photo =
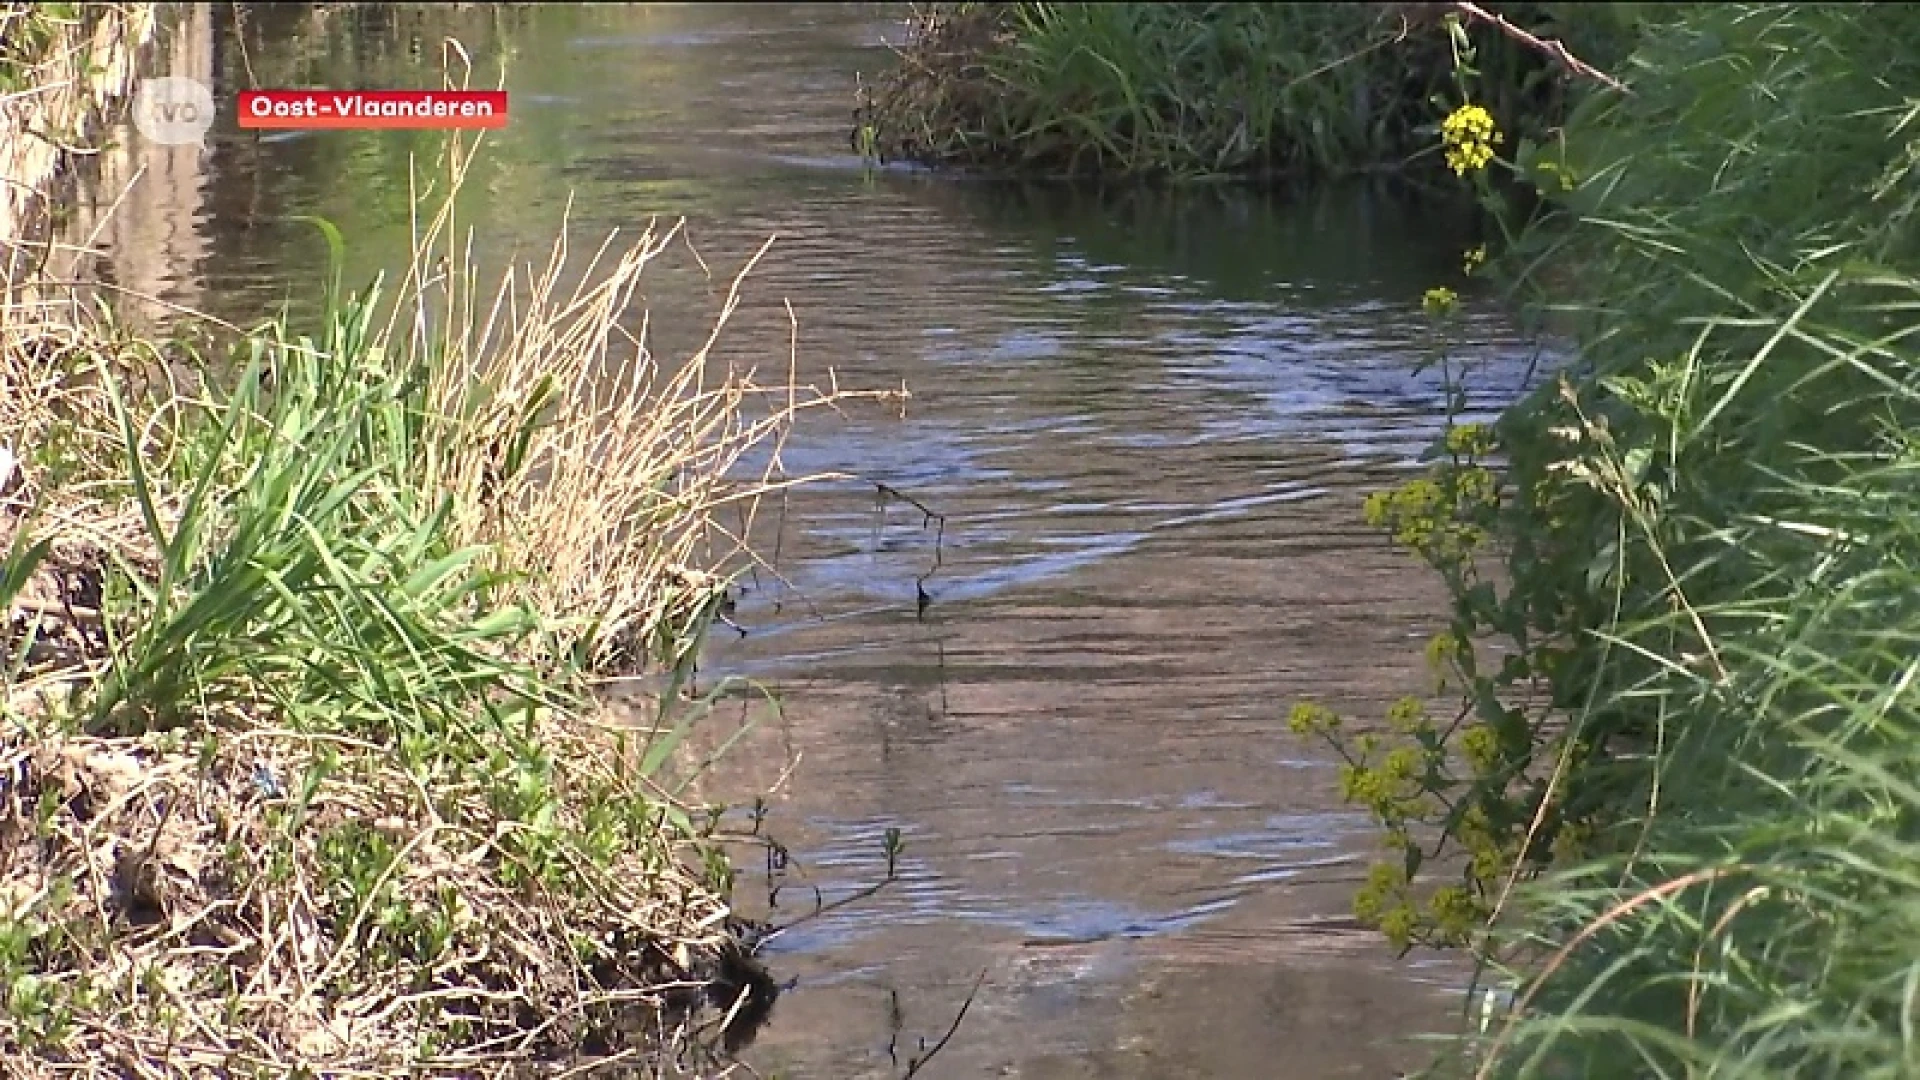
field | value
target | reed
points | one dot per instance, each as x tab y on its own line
1682	769
1742	427
566	443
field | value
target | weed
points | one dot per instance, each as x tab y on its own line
299	771
1681	770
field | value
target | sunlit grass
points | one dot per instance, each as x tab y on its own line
1754	915
1720	510
1154	89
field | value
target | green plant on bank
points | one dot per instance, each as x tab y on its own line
324	785
1464	784
298	769
1155	89
1682	771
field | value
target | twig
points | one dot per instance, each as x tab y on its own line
922	600
821	907
914	1066
1556	49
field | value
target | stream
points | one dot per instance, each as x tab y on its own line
1147	420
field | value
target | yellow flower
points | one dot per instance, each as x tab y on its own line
1480	745
1440	301
1474	258
1469	135
1469	440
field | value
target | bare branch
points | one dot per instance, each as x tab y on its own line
1554	48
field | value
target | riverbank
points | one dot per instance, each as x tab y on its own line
1722	501
1677	799
1271	93
300	764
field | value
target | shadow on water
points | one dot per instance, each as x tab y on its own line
1145	422
1343	243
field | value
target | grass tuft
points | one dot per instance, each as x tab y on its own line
1682	774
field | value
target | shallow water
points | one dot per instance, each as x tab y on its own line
1148	421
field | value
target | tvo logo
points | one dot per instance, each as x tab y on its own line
173	111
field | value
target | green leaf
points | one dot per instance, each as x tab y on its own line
21	562
336	256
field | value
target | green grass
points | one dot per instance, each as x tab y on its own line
1753	354
1685	774
1175	90
1762	923
298	565
307	774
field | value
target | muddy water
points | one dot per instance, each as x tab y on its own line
1148	422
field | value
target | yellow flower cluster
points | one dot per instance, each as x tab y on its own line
1469	135
1440	301
1474	258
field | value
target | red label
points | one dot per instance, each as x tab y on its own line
373	109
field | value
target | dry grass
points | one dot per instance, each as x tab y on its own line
933	108
310	789
617	493
180	909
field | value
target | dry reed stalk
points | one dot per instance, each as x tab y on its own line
620	482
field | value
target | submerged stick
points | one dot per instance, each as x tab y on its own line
916	1064
922	599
